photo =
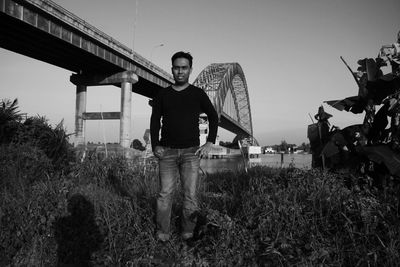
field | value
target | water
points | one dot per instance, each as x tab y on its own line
302	161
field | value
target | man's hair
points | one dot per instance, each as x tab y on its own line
182	54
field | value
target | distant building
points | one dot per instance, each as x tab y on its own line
269	150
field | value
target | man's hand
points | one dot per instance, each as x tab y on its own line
158	151
204	149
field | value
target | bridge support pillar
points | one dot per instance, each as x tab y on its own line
125	119
125	80
80	108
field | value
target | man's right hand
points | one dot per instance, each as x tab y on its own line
158	151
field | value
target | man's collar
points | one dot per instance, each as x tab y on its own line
180	88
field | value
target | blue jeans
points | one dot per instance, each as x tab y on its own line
185	164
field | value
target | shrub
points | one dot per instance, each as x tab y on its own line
35	131
136	144
9	119
21	165
54	142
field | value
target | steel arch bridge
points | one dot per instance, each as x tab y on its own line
225	84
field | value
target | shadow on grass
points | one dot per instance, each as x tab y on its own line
77	235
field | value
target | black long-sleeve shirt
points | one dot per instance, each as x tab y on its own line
180	112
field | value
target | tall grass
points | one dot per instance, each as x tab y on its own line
265	217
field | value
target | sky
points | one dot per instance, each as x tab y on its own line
289	51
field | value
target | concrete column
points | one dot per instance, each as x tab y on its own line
125	122
80	108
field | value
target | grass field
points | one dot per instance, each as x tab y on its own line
101	213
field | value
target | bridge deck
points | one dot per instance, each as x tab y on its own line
47	32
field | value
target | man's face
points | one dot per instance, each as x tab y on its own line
181	70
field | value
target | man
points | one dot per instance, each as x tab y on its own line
178	151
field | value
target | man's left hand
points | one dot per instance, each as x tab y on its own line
204	149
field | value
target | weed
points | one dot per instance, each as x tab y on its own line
265	217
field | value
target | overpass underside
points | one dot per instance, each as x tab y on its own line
75	46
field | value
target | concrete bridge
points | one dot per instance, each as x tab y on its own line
45	31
